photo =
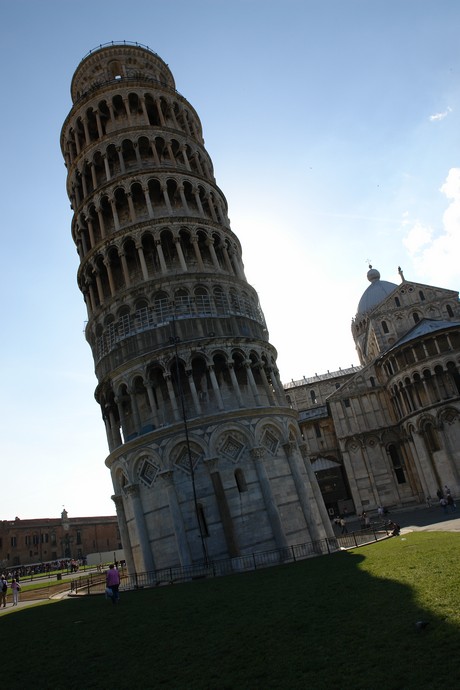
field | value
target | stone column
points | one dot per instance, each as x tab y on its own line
251	380
99	124
132	210
314	504
180	531
180	253
153	406
172	396
100	289
140	252
193	391
161	256
110	276
428	472
164	189
89	223
135	410
215	386
199	205
183	150
268	388
86	131
212	251
199	258
257	454
121	159
235	384
183	199
100	216
93	175
124	266
228	263
160	112
224	509
113	206
124	533
148	202
106	167
142	533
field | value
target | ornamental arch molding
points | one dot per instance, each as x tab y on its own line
232	441
175	452
448	415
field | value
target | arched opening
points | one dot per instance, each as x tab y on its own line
240	480
398	463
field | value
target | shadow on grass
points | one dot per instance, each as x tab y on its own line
344	621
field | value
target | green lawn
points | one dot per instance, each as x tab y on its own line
345	621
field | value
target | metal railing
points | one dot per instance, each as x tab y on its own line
95	584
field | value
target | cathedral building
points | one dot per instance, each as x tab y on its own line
387	433
206	455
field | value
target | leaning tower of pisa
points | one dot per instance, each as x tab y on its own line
204	452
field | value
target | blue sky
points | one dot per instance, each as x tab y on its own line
334	129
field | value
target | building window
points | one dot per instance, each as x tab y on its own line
14	541
398	465
346	402
240	480
313	397
416	317
27	540
449	310
431	437
384	327
36	539
317	430
421	295
397	302
78	536
202	520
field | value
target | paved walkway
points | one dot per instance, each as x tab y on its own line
417	519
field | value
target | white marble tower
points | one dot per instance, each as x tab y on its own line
205	453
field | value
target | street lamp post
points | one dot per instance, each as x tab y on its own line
174	340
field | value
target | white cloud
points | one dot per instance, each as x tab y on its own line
440	116
435	255
417	237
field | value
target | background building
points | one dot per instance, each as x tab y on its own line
24	542
388	433
206	455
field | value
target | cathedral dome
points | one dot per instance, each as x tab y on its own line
377	291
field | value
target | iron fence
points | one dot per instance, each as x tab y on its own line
95	583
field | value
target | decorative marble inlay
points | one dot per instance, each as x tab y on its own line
232	448
148	472
270	442
186	461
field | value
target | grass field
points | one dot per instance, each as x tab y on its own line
345	621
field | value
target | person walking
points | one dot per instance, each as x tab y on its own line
3	590
451	503
112	581
15	588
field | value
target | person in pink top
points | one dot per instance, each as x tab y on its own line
112	580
